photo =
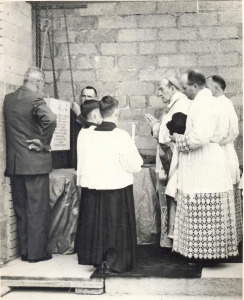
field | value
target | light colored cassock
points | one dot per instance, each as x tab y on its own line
205	224
179	103
228	122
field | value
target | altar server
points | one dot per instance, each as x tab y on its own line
107	233
205	223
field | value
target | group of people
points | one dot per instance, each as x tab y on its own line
196	164
201	211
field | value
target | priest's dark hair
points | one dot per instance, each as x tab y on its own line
220	80
107	106
194	76
88	106
89	88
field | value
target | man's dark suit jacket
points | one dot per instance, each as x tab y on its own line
27	117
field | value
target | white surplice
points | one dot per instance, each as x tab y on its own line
228	122
205	224
178	103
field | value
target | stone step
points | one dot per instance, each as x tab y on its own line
164	286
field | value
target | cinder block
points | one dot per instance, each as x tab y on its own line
234	87
117	22
131	35
107	88
137	101
137	62
135	8
237	100
96	36
231	73
134	115
230	17
231	46
49	76
198	19
119	48
117	75
198	46
122	101
219	5
78	49
103	62
156	75
156	21
218	32
76	23
219	59
60	63
176	6
135	88
83	75
157	47
178	34
155	102
96	9
83	62
177	61
60	37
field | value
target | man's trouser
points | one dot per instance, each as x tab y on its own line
32	207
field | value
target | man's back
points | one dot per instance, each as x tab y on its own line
27	117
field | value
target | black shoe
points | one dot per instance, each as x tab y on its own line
24	258
46	257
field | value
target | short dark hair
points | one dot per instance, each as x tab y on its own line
220	80
89	88
88	106
195	77
107	106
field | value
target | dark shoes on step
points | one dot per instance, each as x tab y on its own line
46	257
104	269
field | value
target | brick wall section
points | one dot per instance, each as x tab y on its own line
15	58
125	48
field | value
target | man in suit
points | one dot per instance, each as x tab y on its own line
29	127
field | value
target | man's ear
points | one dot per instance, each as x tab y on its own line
195	86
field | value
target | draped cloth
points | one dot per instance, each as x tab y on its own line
205	222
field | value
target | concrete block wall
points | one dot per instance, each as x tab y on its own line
125	48
15	58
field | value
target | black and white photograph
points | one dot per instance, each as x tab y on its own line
121	144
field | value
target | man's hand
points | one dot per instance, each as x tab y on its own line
151	121
75	107
35	145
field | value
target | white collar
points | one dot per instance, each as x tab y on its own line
177	95
204	93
